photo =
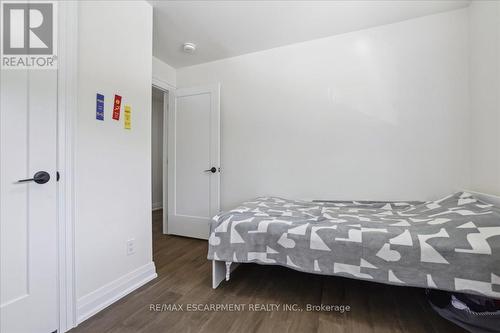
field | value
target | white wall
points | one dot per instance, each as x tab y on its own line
485	95
157	148
113	196
164	72
375	114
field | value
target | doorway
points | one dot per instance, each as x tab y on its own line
190	153
159	128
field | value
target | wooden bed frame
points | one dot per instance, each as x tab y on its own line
221	270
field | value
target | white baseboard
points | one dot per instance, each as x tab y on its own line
157	205
92	303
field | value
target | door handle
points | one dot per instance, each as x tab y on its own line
212	170
41	177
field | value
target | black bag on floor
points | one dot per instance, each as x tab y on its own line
476	314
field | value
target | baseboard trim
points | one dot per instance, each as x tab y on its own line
92	303
157	205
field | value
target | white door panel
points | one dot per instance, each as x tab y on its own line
194	145
28	235
193	129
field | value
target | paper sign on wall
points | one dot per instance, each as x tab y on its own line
99	107
128	117
116	107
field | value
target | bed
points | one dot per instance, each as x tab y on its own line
450	244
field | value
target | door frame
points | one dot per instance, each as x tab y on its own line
67	93
165	87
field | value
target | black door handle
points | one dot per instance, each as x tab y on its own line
212	170
41	177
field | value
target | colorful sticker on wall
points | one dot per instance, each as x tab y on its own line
116	107
99	107
128	117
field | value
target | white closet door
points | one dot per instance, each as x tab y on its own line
28	210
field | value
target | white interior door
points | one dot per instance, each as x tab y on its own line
28	210
194	161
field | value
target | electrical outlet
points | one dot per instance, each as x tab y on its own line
130	246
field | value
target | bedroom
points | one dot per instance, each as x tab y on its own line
252	124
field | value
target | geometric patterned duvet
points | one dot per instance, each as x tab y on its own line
450	244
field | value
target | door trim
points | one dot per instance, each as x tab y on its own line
67	92
165	87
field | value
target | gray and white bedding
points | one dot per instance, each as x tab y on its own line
450	244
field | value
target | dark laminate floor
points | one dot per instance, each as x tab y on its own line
184	276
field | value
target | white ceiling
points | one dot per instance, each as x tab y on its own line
223	29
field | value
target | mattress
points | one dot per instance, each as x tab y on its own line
450	244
